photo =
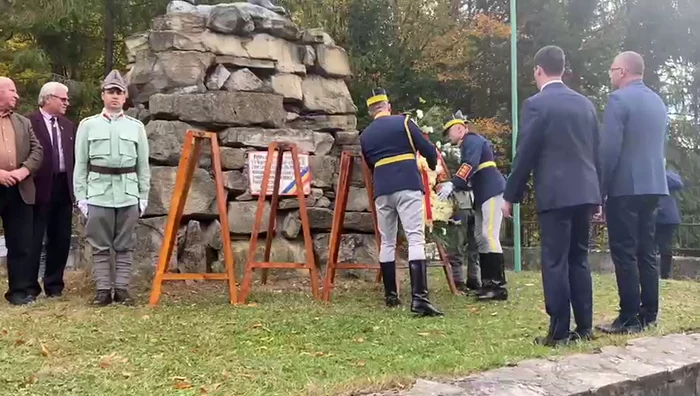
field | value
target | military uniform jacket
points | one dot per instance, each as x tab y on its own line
116	141
389	145
478	166
668	207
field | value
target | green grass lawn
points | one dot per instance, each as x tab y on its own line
282	343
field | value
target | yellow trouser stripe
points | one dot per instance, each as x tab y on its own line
493	246
486	164
395	158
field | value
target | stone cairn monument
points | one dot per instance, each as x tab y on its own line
254	77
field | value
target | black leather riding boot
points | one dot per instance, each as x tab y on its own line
486	274
391	296
497	278
419	289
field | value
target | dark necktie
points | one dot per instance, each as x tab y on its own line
54	145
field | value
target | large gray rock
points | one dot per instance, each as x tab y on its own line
308	141
327	123
136	47
235	181
181	22
326	96
359	221
354	248
290	224
149	234
242	19
186	7
332	61
166	139
287	56
347	138
201	199
237	61
316	36
232	158
323	170
220	107
282	251
287	85
211	234
218	78
241	217
357	200
169	71
244	80
194	255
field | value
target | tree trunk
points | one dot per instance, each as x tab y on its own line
109	36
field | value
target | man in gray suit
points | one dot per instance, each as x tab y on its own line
634	131
20	157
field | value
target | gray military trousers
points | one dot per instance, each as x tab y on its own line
406	205
110	229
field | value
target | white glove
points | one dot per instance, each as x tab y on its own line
445	190
83	207
143	203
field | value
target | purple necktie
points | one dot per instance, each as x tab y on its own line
54	145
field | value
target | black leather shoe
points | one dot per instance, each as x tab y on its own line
618	327
18	301
121	296
581	335
462	287
473	284
494	294
391	296
419	289
102	298
551	342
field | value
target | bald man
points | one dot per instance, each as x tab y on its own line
634	178
20	157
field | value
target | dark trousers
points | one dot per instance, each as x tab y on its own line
664	247
631	224
566	276
17	224
53	220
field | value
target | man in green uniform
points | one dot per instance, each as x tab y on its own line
111	182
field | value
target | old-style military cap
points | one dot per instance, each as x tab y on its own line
378	95
454	119
114	80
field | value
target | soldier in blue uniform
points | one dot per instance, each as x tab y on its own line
389	145
478	167
668	218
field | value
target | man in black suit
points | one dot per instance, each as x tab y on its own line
559	143
54	187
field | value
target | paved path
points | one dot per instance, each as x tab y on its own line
652	366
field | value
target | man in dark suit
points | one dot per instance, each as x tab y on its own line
559	143
668	218
20	157
634	132
54	187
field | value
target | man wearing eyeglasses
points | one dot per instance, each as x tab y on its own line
54	188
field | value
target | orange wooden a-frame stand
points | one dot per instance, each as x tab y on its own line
346	167
185	171
347	160
251	264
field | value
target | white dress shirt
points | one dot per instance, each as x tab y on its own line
59	130
551	82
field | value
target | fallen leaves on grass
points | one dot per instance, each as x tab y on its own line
44	350
108	360
206	389
181	383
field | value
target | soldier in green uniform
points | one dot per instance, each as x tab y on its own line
111	182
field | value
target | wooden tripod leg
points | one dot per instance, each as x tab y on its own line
273	210
188	162
306	228
223	219
341	201
446	266
248	274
